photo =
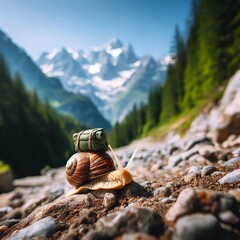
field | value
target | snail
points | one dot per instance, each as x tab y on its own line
103	175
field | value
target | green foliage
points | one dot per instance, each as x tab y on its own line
209	55
32	134
4	167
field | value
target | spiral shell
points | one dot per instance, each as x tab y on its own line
84	166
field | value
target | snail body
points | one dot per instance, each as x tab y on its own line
113	180
104	175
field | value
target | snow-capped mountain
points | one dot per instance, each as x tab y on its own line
112	75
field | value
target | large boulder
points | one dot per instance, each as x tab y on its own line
225	120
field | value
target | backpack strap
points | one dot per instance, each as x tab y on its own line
90	140
77	146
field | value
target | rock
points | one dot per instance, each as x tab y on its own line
174	160
231	162
3	229
235	193
5	210
195	170
133	190
137	236
130	219
188	154
231	177
162	192
215	202
186	203
189	177
202	139
109	201
228	217
10	222
42	228
236	152
216	173
193	200
207	170
67	206
228	114
6	181
171	148
209	152
168	199
197	227
14	214
231	141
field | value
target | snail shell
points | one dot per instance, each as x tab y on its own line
115	179
84	166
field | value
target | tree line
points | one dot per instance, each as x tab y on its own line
203	59
32	134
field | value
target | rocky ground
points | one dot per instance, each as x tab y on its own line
184	189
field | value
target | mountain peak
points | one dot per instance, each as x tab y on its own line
115	43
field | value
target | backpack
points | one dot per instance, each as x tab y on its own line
90	140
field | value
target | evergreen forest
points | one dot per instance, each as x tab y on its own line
205	57
32	134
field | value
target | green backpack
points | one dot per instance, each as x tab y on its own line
90	140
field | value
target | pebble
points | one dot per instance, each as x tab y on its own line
168	199
5	210
42	228
194	142
174	160
185	204
195	170
189	177
162	192
211	153
216	173
10	222
236	152
231	177
228	217
197	227
109	200
207	170
231	162
188	154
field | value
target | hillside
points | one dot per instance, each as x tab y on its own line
78	106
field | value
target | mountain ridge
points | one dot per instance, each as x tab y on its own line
78	106
110	75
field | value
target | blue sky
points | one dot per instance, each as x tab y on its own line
41	25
